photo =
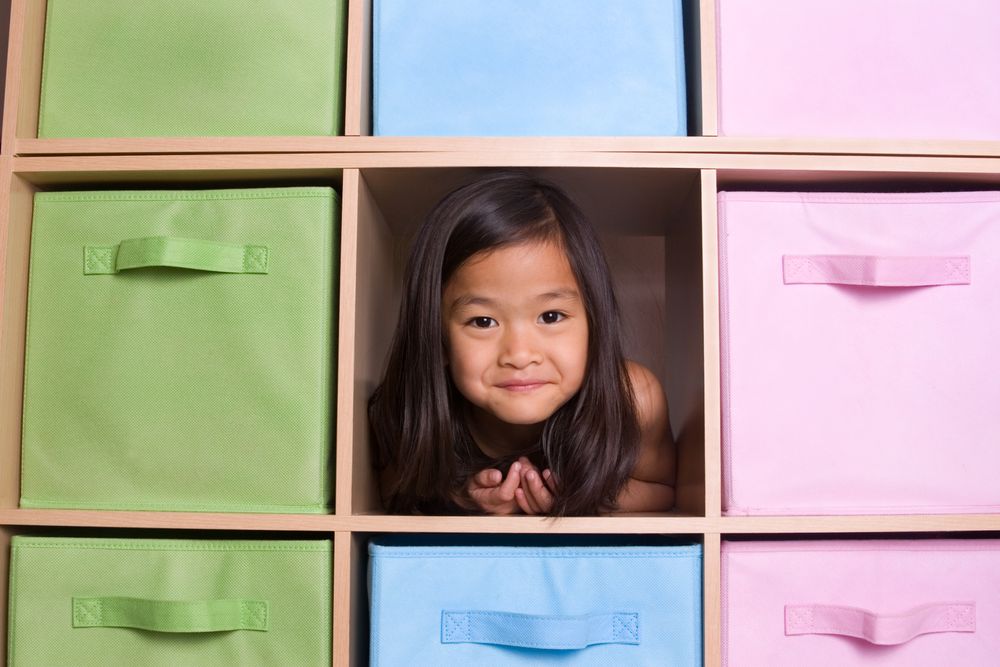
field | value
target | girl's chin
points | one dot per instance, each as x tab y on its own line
524	419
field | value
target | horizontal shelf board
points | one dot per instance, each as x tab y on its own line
340	144
740	166
620	524
171	520
908	523
633	524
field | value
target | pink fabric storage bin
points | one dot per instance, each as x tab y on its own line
859	365
906	603
893	69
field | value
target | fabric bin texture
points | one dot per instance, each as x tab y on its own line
534	604
511	67
899	603
867	69
168	602
180	349
858	332
147	68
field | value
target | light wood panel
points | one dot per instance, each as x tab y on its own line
357	114
17	228
166	520
343	584
712	599
347	309
711	342
707	68
30	146
733	167
673	523
24	71
5	176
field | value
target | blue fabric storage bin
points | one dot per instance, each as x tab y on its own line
528	68
435	602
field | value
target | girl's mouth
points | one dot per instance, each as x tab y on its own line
522	385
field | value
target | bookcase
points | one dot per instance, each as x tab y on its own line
653	201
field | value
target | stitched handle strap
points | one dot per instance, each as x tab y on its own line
882	629
171	251
170	615
539	632
875	270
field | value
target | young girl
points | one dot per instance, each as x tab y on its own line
506	389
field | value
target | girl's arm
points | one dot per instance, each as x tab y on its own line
650	487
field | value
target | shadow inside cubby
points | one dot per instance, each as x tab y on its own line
15	281
649	222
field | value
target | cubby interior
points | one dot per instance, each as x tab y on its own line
649	222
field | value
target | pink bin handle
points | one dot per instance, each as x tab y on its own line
881	629
875	270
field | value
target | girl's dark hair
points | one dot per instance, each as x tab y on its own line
417	414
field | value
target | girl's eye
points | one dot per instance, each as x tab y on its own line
551	317
483	322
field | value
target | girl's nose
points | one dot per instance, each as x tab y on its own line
519	348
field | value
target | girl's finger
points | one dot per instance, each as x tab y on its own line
538	495
488	477
489	501
506	489
522	501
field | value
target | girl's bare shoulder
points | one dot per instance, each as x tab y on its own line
650	400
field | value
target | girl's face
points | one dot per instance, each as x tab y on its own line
516	332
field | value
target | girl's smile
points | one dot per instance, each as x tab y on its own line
516	334
522	385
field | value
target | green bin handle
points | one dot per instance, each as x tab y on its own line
170	615
177	252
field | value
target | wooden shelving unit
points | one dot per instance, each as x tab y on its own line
652	199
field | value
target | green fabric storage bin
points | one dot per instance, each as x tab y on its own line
180	350
76	602
150	68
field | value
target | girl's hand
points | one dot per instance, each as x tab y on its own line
534	495
491	493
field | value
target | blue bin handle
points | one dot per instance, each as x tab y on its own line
558	633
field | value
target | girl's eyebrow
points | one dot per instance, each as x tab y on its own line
566	294
466	300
